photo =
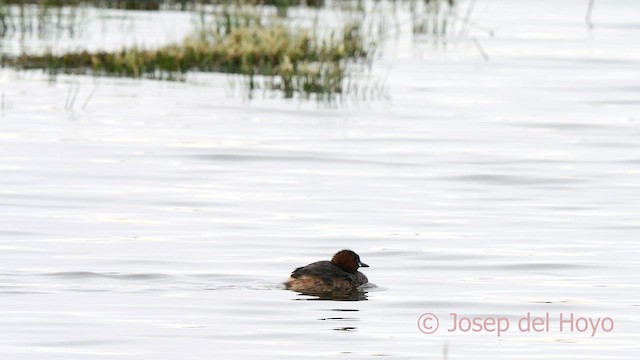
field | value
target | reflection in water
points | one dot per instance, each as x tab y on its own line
342	328
347	328
340	318
355	295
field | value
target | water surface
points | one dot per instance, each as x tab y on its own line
160	219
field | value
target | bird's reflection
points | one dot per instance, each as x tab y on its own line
348	320
338	296
355	295
341	318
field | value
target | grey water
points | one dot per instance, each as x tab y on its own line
158	220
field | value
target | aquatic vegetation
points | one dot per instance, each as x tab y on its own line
183	5
431	17
288	59
252	38
113	4
50	17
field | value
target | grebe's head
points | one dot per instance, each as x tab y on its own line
348	261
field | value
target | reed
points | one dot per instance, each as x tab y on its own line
150	5
291	60
252	38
